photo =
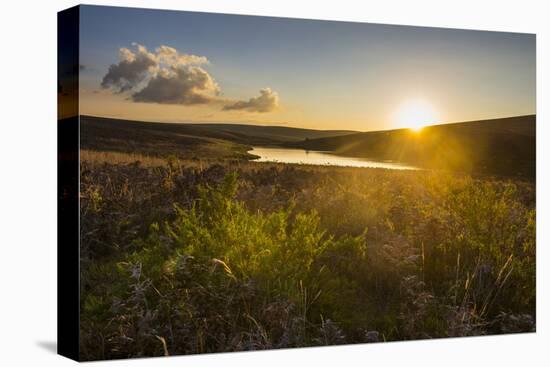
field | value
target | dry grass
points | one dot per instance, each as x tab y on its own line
294	255
95	157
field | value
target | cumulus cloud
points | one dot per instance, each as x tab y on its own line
267	101
131	69
172	57
167	76
186	85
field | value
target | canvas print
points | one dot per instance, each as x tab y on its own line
250	183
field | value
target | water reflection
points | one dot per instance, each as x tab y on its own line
301	156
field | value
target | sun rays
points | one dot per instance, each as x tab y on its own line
415	114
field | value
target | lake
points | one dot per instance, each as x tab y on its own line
300	156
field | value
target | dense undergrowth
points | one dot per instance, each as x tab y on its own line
185	258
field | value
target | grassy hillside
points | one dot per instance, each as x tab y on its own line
187	140
503	146
255	134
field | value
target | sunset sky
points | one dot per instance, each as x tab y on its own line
176	66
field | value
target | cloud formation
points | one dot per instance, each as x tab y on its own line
131	69
168	76
183	85
172	57
267	101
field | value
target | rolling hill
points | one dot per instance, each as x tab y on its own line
504	146
186	139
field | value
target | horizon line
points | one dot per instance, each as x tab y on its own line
286	125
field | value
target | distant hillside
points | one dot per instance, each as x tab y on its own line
187	140
503	146
256	134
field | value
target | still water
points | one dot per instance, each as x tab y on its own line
301	156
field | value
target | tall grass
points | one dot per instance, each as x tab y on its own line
188	257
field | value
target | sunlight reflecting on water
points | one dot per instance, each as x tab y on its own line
300	156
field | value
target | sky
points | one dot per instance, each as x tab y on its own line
173	66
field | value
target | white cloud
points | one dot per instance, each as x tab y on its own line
168	76
131	69
186	85
172	57
267	101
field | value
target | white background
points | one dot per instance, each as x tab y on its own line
28	182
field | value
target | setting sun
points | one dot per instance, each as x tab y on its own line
415	115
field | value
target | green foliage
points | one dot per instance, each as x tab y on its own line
254	258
